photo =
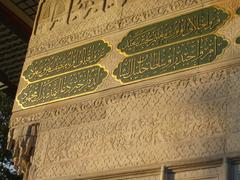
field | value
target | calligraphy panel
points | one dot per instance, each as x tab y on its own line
179	56
62	87
197	23
85	55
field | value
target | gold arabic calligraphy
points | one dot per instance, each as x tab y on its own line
194	24
63	86
69	60
171	58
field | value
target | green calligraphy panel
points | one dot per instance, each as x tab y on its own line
62	87
194	24
69	60
179	56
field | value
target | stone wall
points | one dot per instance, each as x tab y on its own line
89	105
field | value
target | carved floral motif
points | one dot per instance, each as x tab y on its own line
185	118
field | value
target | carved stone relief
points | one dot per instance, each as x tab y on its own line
182	119
188	53
172	118
114	15
51	13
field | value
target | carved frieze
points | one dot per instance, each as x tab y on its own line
180	119
69	31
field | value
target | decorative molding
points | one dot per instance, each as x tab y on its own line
182	119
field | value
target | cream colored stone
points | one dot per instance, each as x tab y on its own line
179	126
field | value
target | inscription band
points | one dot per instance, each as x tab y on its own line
61	87
182	55
83	56
180	28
